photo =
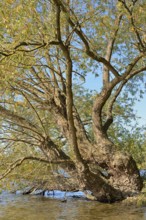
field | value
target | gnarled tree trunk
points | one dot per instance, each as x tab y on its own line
47	85
109	174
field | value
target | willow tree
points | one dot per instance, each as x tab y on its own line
47	46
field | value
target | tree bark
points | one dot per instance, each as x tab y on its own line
121	169
122	177
119	177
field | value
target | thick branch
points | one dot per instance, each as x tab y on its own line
116	94
69	106
48	147
27	44
58	30
109	119
106	92
84	39
132	65
109	51
69	93
137	71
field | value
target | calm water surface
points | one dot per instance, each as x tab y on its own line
17	207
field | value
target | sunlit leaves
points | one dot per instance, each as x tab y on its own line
33	67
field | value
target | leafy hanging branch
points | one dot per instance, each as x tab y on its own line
130	9
21	160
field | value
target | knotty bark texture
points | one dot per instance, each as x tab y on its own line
47	88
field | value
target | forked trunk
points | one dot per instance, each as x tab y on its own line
109	174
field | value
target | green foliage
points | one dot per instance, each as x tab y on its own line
131	139
33	73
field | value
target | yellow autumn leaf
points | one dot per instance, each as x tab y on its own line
18	8
10	1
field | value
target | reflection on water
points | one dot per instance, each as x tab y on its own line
16	207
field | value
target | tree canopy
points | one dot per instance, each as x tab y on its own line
47	50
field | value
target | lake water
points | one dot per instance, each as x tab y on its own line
32	207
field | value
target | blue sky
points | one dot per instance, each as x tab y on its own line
140	107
